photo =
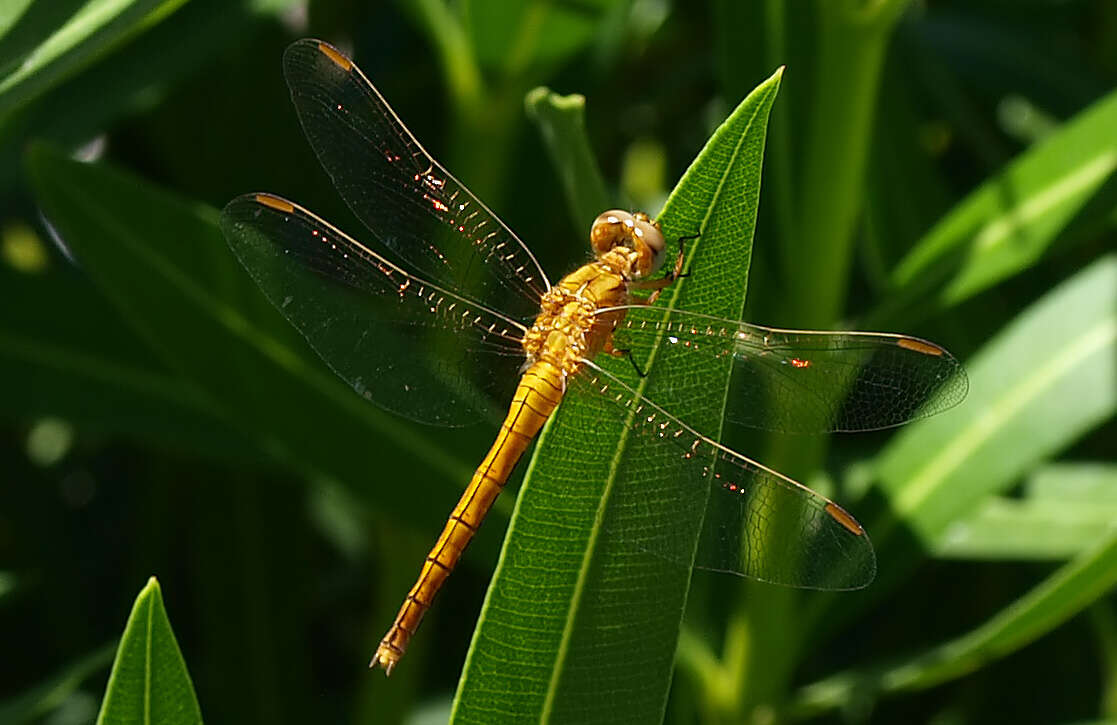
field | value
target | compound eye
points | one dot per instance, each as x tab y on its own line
609	229
647	232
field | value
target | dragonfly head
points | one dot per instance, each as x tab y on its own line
637	232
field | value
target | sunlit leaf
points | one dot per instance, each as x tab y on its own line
572	613
1074	482
1065	509
1035	388
1062	595
56	46
1011	220
1005	529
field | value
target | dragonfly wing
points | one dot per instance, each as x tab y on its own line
797	381
410	346
400	192
754	521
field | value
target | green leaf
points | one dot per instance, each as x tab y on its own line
65	354
1074	482
1062	595
1004	529
1104	621
149	682
577	627
1010	221
167	269
127	81
1046	379
1066	509
56	47
10	13
561	121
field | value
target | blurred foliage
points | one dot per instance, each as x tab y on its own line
941	168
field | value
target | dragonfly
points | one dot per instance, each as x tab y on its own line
452	311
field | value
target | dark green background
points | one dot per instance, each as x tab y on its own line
281	564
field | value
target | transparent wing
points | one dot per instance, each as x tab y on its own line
755	522
408	345
796	381
404	196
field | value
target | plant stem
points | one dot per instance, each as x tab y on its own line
459	66
561	121
781	169
817	221
847	74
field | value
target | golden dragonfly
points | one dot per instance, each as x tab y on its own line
465	313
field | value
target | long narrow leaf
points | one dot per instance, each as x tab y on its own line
63	353
1004	529
1008	222
1062	595
1067	508
1048	378
168	271
1075	482
576	628
97	26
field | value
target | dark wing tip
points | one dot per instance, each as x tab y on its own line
248	206
314	52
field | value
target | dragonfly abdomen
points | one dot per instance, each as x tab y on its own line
537	396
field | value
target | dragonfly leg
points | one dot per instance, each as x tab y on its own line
677	272
626	353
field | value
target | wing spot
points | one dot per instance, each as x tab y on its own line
843	517
910	343
275	202
340	60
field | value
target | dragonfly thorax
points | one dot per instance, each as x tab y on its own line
570	327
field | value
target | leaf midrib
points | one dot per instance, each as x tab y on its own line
147	662
591	547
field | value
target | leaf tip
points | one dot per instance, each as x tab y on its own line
152	587
540	99
536	97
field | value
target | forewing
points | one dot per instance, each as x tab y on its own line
754	521
408	345
400	192
796	381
